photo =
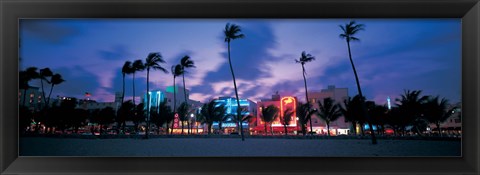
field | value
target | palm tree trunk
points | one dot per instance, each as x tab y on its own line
285	127
265	128
43	92
123	89
182	127
24	95
271	129
174	104
133	98
439	129
328	129
210	128
148	105
374	140
236	92
306	95
186	102
166	127
50	94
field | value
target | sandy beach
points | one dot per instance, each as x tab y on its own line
234	147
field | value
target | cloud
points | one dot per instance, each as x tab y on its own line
119	52
54	32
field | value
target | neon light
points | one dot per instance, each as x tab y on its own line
388	100
287	102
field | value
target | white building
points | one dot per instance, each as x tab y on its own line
338	126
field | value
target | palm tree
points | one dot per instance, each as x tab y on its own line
410	105
166	112
139	115
55	80
126	69
26	76
436	111
304	114
378	114
232	32
349	32
124	112
183	113
186	62
269	114
152	61
211	112
286	118
328	111
137	66
44	73
350	110
305	58
176	71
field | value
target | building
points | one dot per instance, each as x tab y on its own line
282	103
168	96
247	107
337	127
33	100
451	126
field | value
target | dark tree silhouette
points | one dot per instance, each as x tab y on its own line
232	32
124	113
55	80
305	58
137	66
44	73
304	114
328	111
183	113
351	109
186	62
211	112
286	118
436	111
153	62
349	32
25	77
410	105
268	115
126	69
176	71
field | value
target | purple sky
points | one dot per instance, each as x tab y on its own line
393	55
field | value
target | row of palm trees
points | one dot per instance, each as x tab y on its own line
45	74
349	31
411	110
153	62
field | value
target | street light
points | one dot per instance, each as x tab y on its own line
192	116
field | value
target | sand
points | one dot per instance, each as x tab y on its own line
234	147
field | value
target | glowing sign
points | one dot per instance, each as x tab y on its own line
289	103
175	121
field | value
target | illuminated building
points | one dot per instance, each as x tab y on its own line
337	127
33	100
282	103
247	107
159	96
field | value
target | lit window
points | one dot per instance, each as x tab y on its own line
32	95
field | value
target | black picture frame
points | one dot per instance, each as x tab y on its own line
11	11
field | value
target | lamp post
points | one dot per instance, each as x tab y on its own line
193	116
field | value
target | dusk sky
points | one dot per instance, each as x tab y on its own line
393	55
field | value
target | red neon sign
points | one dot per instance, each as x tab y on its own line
286	103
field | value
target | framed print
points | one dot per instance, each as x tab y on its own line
151	87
